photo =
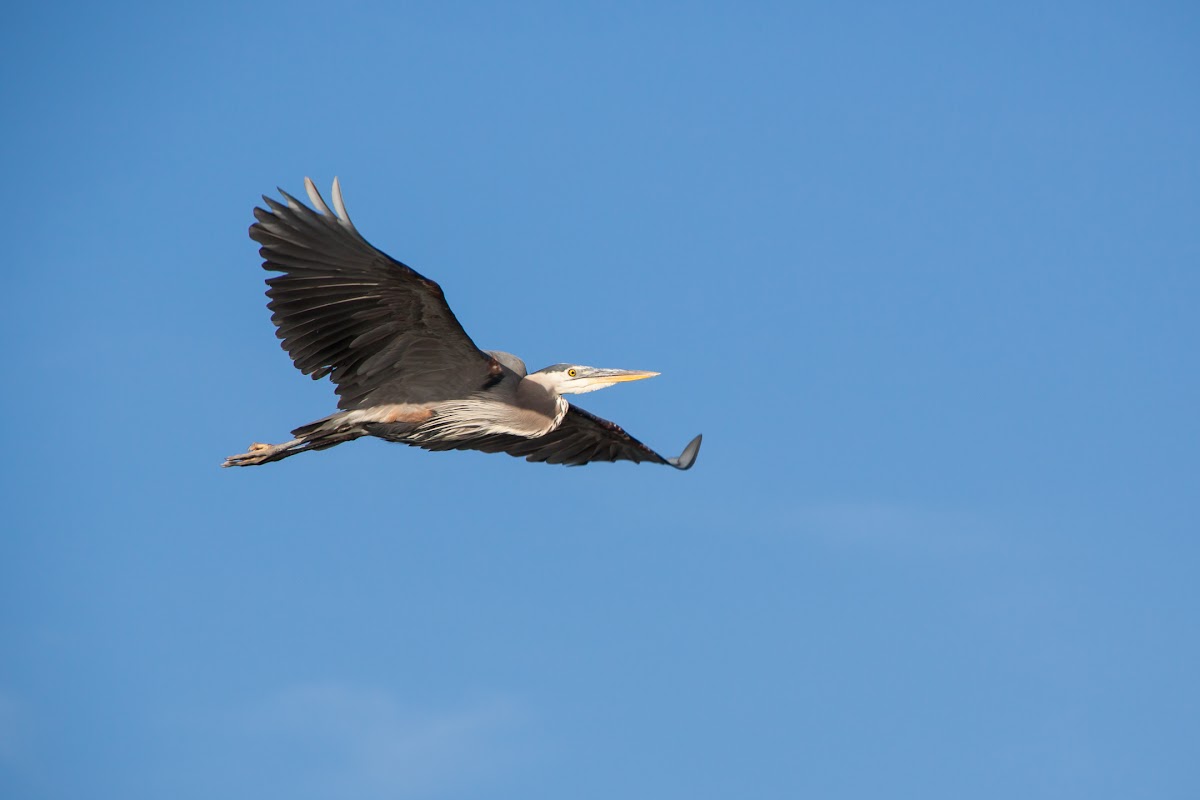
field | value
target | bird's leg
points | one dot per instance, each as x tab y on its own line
259	453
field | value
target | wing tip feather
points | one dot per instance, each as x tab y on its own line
687	458
339	205
315	198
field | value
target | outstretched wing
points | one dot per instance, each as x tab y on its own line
380	330
581	439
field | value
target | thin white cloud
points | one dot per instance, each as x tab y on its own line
879	525
9	728
360	742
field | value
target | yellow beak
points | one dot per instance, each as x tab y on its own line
623	375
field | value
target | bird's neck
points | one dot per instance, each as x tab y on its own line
540	391
545	380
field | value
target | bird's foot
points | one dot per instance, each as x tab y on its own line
256	454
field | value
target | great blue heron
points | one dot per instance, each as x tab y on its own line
405	369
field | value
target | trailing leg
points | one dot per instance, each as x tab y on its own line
259	453
316	436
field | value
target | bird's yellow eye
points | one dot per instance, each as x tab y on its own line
570	373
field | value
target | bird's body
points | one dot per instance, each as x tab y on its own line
405	369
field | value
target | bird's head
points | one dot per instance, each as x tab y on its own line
578	379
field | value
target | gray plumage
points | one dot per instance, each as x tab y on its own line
403	367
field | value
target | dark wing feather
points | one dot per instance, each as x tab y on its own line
581	439
380	330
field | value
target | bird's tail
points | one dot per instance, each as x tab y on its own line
323	427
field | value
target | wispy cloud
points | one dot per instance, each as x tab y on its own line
361	742
878	525
9	728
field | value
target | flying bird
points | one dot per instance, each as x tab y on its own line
404	368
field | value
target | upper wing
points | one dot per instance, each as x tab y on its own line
379	329
580	439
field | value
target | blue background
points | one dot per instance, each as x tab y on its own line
925	276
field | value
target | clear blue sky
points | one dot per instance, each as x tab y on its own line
925	275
